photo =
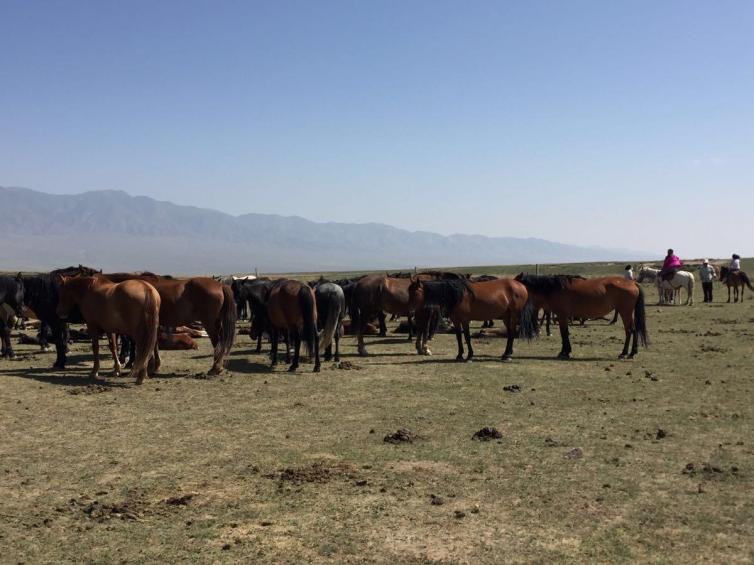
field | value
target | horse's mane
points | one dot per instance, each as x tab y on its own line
446	294
547	284
445	275
483	278
75	271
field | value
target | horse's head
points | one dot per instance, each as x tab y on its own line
15	298
69	289
416	293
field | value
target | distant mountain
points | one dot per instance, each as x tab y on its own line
115	231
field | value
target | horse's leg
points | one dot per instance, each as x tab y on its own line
274	347
635	345
410	326
296	352
59	336
113	345
287	339
510	330
317	363
383	327
94	335
565	349
627	326
360	337
156	361
459	357
7	346
548	317
728	293
467	336
337	344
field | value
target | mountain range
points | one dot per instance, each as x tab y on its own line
115	231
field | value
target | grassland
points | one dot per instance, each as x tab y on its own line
600	460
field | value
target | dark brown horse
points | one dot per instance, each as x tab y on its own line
187	300
566	297
373	295
292	307
735	280
462	301
130	307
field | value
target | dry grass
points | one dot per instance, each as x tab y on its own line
272	467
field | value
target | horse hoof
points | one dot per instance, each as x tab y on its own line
460	359
362	353
292	368
564	356
506	359
622	356
316	369
469	360
214	371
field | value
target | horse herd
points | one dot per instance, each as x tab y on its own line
135	306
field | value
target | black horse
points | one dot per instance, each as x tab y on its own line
12	294
41	295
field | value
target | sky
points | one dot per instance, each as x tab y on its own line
615	124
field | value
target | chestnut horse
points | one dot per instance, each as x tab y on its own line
568	296
187	300
735	280
292	307
462	301
131	308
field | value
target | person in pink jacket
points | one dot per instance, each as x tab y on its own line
671	265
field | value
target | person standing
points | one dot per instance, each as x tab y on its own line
707	274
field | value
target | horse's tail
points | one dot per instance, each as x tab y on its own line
146	341
309	314
226	324
355	312
746	279
332	316
528	324
640	318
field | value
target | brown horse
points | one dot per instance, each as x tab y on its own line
735	280
131	308
187	300
567	296
373	295
292	307
463	301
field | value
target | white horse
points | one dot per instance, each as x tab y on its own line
681	279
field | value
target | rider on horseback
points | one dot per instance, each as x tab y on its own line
735	263
670	266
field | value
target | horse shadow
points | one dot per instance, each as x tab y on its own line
67	377
247	367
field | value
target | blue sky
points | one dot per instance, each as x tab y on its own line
621	124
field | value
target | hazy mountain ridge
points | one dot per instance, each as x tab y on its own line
113	230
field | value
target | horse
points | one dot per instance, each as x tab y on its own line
131	307
681	279
463	301
292	307
566	296
12	295
735	280
41	295
186	300
373	295
331	309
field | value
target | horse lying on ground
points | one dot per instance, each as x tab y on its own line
735	280
566	296
131	308
462	301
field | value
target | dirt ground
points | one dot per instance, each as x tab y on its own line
598	459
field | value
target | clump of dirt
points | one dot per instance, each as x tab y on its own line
661	434
709	333
319	472
435	500
707	348
128	509
90	389
487	433
512	388
347	366
402	435
575	453
181	500
549	442
710	470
